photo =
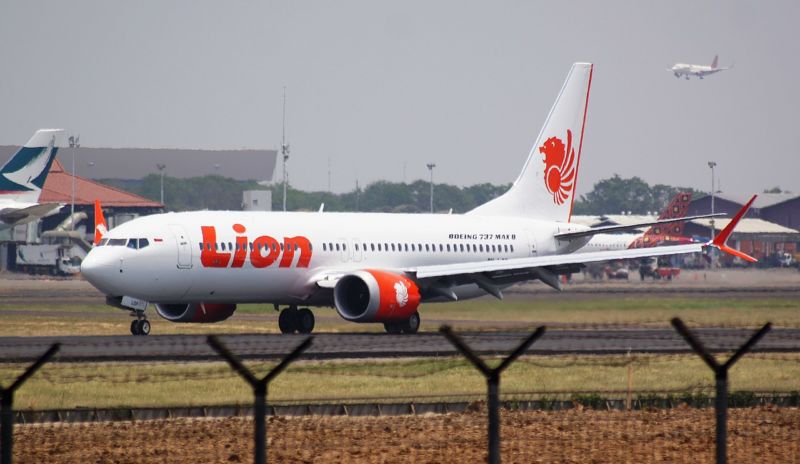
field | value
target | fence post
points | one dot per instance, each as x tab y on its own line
720	378
259	387
7	405
492	380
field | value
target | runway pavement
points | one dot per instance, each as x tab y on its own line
375	345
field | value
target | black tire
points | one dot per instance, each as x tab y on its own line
286	320
392	328
144	327
135	327
304	320
411	325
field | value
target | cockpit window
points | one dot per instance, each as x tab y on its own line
143	243
103	242
132	243
117	242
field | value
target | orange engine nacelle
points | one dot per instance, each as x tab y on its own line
196	312
375	296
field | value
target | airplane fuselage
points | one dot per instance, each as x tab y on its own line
248	257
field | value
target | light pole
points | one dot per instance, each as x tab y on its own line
74	142
161	168
284	149
430	168
712	165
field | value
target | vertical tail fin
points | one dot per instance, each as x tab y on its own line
545	189
677	208
100	226
23	176
715	62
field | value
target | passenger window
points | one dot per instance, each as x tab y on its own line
461	247
143	243
230	246
337	247
344	247
372	246
356	246
480	248
201	246
512	248
441	248
474	248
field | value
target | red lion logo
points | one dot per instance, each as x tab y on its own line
559	167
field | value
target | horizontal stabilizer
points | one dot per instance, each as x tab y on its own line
15	215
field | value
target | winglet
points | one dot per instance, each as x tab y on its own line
100	226
721	239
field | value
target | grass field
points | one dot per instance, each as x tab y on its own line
486	313
67	385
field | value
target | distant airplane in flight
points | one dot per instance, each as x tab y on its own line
686	70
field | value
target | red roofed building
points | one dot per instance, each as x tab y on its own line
119	206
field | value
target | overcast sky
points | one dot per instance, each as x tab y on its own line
376	86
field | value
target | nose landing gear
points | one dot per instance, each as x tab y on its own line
140	325
293	320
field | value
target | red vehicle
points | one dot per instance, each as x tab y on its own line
652	267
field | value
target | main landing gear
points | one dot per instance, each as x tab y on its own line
140	325
293	320
408	326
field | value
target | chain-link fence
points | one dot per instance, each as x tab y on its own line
633	407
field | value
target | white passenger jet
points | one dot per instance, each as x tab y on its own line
371	267
22	179
697	70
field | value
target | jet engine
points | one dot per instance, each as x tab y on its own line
196	312
375	296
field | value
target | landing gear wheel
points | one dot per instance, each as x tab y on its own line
304	321
411	325
393	328
140	327
287	320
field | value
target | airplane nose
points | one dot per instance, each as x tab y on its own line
98	269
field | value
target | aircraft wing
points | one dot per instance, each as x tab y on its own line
481	272
607	229
16	215
443	270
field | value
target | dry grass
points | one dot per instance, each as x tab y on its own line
682	435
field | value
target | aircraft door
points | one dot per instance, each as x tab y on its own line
184	248
344	250
358	250
531	243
